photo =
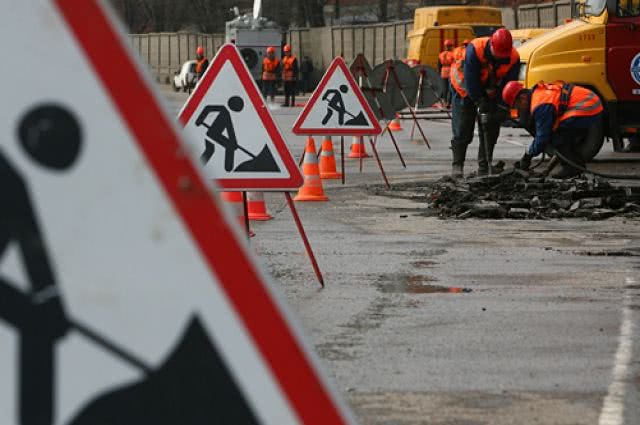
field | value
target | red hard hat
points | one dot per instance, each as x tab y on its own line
271	49
511	91
200	51
448	43
287	48
501	43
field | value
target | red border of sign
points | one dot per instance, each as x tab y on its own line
158	141
229	53
298	126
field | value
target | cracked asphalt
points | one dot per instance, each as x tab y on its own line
542	326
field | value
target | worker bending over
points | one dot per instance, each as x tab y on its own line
290	72
445	60
270	65
477	79
559	115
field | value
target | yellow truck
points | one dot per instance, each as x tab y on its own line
599	49
520	36
433	25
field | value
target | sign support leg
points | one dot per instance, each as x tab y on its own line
395	144
303	235
342	158
375	152
245	210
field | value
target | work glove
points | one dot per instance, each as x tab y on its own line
524	163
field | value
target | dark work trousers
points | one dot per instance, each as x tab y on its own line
567	142
290	93
269	89
463	122
446	91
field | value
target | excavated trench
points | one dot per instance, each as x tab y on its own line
516	194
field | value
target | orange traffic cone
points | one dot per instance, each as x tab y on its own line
357	148
395	125
234	199
311	190
257	207
328	161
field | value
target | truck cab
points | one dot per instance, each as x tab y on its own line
433	25
598	49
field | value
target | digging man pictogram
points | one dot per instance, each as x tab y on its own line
335	103
222	132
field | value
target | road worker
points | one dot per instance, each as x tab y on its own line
559	115
477	80
202	63
458	52
290	71
445	60
270	65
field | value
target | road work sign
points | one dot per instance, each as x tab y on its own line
337	106
125	295
231	128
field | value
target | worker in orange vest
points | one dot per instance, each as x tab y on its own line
202	63
290	71
559	115
445	60
477	80
270	67
458	52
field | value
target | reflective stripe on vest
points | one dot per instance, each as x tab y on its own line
269	69
582	102
486	68
287	68
446	60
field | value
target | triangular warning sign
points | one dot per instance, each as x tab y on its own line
232	130
337	106
140	304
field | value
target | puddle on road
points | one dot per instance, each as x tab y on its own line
415	284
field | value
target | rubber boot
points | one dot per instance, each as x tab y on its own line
459	154
483	162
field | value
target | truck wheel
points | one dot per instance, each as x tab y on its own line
173	84
592	143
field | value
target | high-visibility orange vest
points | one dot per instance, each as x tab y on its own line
458	53
200	65
446	60
568	100
269	67
287	68
490	77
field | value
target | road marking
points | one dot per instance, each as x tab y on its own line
613	405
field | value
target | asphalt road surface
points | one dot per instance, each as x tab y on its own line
547	335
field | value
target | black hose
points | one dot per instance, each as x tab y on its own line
595	173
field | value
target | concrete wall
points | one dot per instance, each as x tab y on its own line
165	52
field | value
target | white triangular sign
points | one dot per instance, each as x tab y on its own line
141	304
337	106
233	131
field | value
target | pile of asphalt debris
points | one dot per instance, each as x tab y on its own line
518	194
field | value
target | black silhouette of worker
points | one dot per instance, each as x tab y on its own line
335	104
222	132
51	137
